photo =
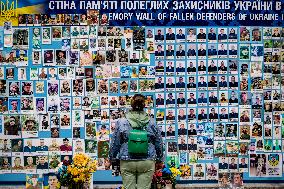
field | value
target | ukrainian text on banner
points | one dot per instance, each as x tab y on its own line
178	12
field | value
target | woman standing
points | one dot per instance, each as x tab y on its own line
136	169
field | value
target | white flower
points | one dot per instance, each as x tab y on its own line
59	166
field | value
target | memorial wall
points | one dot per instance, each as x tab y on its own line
216	93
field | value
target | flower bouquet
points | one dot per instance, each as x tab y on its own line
170	175
77	174
165	177
64	177
158	181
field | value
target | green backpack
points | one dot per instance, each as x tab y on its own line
138	142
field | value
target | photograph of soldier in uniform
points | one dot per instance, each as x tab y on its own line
17	163
12	125
21	38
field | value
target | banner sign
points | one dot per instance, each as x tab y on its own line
179	13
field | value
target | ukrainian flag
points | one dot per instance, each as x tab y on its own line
23	7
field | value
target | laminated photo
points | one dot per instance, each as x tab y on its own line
274	164
54	160
172	161
65	121
12	126
46	35
18	164
20	38
199	171
186	172
56	33
91	147
5	147
258	163
243	164
34	181
6	164
30	164
244	33
211	171
236	180
8	40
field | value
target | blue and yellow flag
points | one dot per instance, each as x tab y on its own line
10	9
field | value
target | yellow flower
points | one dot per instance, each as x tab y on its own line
175	172
75	172
82	167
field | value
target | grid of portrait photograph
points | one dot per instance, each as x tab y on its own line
216	93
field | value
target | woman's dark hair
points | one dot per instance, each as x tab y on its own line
138	102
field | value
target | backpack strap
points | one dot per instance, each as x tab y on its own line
142	128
